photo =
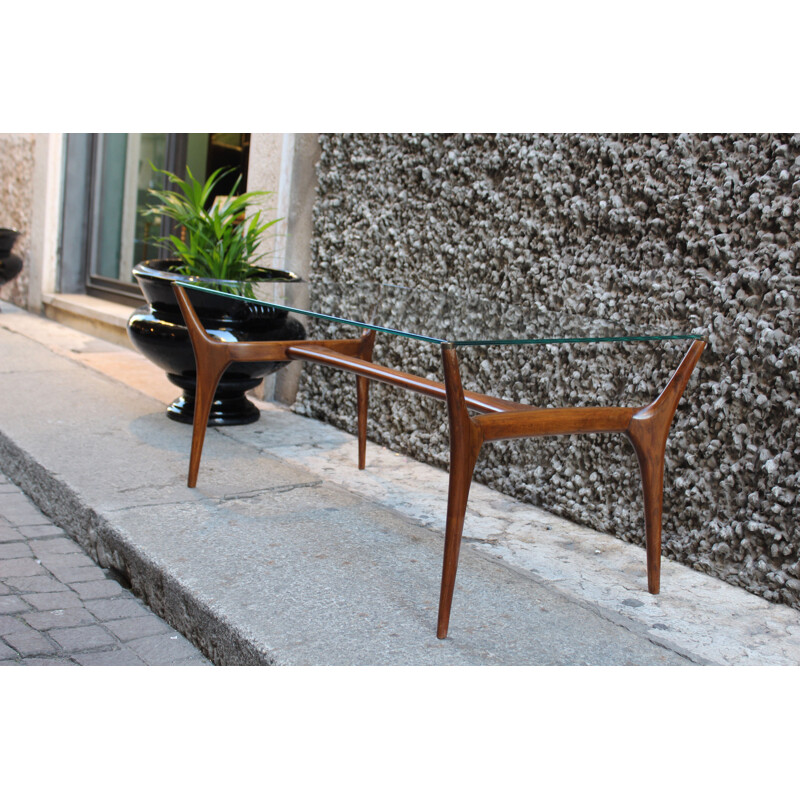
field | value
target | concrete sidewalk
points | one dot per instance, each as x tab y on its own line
287	554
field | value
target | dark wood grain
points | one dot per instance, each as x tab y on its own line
648	431
362	397
465	445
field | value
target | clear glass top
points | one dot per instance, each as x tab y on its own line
462	319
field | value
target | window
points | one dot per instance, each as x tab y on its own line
107	177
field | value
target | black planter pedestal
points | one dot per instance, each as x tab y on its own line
157	330
230	406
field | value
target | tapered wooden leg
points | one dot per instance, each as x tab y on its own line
362	397
651	467
648	431
211	360
209	372
465	444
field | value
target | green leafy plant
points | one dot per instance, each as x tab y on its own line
216	238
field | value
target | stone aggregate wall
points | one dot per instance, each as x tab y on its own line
16	205
701	232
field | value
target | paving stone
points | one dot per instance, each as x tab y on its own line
80	574
116	608
163	650
52	596
94	590
30	643
58	618
62	561
11	604
6	653
9	534
40	531
20	567
199	661
89	637
138	627
57	546
15	550
18	510
110	658
52	600
11	624
35	583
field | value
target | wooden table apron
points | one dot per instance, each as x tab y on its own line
646	427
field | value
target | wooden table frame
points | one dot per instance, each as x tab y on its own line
647	427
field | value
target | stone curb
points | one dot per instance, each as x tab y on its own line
218	638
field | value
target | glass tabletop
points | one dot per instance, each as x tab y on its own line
463	319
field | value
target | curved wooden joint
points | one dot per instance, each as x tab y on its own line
196	330
365	347
648	431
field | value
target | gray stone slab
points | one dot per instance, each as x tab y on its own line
20	568
35	584
144	454
56	562
53	600
137	628
353	584
18	510
20	356
75	576
9	534
116	608
15	550
43	531
6	653
110	658
58	546
87	637
58	618
93	590
10	624
30	643
11	604
163	650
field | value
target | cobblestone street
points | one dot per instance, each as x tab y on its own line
57	607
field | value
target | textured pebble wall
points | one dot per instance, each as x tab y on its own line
16	205
700	231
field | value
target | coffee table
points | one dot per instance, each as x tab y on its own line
451	322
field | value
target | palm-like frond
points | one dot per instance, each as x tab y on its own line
219	239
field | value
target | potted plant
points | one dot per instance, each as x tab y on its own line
213	244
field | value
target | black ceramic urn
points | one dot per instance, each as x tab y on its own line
157	330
